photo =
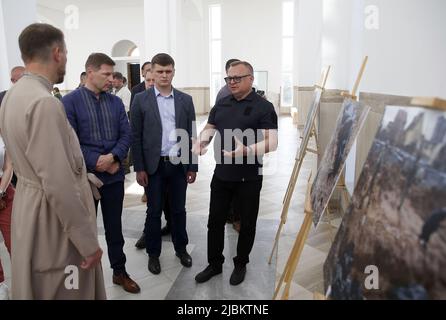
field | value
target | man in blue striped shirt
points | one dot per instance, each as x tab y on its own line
103	129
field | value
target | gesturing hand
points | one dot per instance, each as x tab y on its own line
198	147
240	150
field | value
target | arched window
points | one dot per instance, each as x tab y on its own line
134	52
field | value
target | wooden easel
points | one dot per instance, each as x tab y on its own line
352	95
298	246
297	166
296	251
432	103
341	183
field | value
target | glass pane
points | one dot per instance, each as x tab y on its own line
287	54
216	64
287	90
288	19
215	21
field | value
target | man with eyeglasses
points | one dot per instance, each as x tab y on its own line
237	174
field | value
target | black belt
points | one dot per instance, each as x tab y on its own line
165	158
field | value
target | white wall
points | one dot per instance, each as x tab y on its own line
192	44
336	39
13	19
252	31
308	24
408	52
99	31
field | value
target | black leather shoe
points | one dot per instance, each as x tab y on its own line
165	231
141	243
154	265
185	258
238	275
208	273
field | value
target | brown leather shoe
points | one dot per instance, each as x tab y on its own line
126	282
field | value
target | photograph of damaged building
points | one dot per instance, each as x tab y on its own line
397	220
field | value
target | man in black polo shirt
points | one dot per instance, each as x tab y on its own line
246	127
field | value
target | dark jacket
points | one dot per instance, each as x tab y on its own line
147	129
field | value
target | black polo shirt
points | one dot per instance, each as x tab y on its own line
243	119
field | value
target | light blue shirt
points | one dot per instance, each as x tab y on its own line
166	107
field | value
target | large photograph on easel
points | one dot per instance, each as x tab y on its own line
311	117
350	120
397	220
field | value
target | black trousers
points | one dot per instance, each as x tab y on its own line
166	205
245	196
112	197
170	177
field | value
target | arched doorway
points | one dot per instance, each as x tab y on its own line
125	53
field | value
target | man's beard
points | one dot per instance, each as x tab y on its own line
60	75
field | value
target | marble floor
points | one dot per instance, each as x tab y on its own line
177	282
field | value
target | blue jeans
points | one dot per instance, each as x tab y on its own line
175	178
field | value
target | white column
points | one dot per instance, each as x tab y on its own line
308	42
14	17
159	27
336	41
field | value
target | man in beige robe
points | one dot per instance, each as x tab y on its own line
55	249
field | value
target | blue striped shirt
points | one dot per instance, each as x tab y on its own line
102	127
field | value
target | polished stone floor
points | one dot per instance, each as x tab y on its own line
177	282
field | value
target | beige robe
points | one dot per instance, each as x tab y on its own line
53	217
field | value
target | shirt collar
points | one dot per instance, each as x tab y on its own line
41	79
91	93
249	97
157	93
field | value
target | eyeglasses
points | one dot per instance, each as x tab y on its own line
236	79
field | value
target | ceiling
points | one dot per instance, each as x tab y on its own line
60	5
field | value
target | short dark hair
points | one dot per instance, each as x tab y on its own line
163	59
246	64
228	63
118	75
36	41
97	59
144	64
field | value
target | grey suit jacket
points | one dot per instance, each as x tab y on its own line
147	130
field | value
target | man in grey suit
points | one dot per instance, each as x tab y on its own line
163	121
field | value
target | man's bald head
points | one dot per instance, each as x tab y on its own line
16	73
